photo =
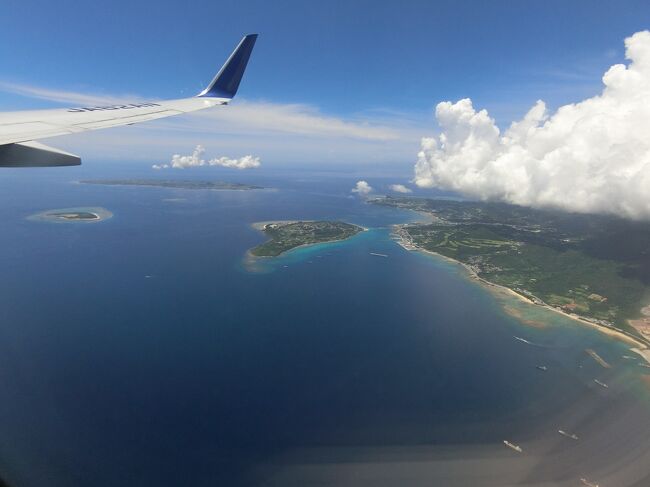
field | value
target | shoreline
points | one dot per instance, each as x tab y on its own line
640	347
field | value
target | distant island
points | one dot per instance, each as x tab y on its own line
590	267
169	183
73	215
287	235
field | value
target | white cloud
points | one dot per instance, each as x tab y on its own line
592	156
246	162
242	115
181	162
400	188
196	160
362	188
65	96
297	119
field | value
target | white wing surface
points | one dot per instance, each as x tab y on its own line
19	130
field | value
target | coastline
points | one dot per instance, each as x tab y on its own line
639	347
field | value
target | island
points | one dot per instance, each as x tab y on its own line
175	184
73	215
592	268
287	235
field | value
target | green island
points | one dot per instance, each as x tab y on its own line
78	215
72	215
591	267
170	183
287	235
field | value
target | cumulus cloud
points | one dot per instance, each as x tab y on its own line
400	188
590	157
196	160
246	162
362	188
181	162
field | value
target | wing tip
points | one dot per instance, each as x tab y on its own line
226	83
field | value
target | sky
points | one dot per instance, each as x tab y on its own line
337	83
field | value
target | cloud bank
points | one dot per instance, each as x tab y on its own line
64	96
196	160
362	188
244	116
400	188
297	119
589	157
286	133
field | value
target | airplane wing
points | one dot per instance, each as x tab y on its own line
19	130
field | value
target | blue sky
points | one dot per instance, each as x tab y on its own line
361	62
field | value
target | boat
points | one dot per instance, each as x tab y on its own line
568	435
601	384
522	340
598	358
542	367
516	448
378	254
644	365
587	483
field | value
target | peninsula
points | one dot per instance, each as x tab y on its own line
287	235
170	183
592	268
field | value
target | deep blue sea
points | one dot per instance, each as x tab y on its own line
142	350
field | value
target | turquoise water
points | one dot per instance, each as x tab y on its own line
143	351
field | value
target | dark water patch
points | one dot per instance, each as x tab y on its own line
346	369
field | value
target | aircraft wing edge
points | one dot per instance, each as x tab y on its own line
35	154
19	130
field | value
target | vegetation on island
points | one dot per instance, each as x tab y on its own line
593	266
78	215
164	183
284	236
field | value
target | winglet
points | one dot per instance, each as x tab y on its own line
226	82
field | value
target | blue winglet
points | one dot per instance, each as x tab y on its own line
226	82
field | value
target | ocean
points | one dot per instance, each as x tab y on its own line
145	350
